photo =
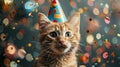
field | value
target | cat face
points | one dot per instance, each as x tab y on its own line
60	38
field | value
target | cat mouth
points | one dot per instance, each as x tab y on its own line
62	48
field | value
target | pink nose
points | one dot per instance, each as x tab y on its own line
62	45
61	42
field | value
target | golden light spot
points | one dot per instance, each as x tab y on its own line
118	34
99	59
18	61
29	44
80	10
8	1
96	11
85	9
90	39
13	28
102	15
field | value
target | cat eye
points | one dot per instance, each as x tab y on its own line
53	34
68	34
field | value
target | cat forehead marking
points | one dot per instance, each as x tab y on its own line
61	27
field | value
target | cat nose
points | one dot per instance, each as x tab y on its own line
61	42
62	45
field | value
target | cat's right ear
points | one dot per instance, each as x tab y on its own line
43	21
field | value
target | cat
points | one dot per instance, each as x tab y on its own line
59	42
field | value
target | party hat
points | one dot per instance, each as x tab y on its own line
56	13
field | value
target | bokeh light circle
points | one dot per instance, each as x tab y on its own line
90	39
13	64
30	5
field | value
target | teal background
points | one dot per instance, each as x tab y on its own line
30	35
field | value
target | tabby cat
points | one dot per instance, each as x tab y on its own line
59	42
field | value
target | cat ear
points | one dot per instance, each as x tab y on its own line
43	21
74	21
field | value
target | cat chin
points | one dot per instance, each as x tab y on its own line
59	52
67	49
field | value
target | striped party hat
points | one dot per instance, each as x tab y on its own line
56	13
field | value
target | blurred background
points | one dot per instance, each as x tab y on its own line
100	31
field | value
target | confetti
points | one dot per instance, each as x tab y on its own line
99	59
98	36
96	11
90	39
105	10
112	61
18	61
84	59
6	21
99	51
100	42
7	62
106	29
90	2
3	37
107	44
85	9
87	55
107	20
114	25
118	34
114	40
106	5
103	65
13	64
13	28
8	1
96	63
29	57
21	53
88	48
73	4
93	65
94	59
30	14
30	5
101	4
10	51
82	66
19	35
80	10
29	44
107	61
105	55
113	54
35	54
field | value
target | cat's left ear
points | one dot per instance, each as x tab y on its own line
43	21
74	21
